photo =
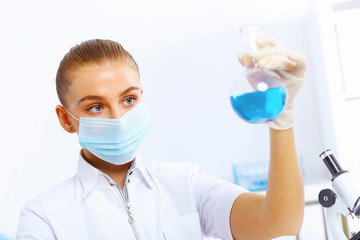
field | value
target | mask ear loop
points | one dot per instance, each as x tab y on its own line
71	130
71	114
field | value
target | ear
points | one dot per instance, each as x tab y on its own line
64	119
142	90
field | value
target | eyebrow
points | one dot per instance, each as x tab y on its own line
90	98
128	90
94	97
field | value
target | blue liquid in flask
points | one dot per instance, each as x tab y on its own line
260	106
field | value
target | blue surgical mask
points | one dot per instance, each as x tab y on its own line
115	140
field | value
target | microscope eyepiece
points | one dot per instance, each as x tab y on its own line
331	163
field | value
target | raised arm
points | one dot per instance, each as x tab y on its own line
280	211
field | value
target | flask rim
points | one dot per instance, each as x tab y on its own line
251	28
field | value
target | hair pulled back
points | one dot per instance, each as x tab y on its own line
95	51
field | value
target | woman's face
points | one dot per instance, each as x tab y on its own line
108	90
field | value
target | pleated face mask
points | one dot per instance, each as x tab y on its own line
115	140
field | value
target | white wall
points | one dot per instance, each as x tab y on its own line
187	56
334	37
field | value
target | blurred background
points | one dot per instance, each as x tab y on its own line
186	51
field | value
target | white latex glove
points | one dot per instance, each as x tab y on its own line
289	65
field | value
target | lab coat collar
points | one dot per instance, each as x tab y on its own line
91	176
139	166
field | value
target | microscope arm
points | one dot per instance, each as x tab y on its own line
342	200
333	217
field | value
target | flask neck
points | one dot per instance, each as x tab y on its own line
248	40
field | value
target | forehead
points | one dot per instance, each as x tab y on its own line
105	79
107	74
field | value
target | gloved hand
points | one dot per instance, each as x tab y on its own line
289	65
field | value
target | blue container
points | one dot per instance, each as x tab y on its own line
3	237
260	106
253	175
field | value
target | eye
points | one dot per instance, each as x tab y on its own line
129	100
95	109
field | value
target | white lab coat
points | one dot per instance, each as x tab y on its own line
169	201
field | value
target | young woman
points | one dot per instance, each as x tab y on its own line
115	195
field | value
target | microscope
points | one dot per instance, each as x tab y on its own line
343	199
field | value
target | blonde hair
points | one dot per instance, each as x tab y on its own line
95	51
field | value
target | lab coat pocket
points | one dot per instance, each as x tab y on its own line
183	227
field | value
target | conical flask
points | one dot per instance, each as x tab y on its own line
259	95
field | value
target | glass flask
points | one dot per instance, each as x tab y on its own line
258	96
